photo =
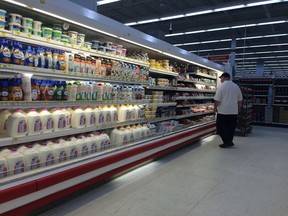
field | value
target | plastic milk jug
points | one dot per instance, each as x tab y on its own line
68	117
137	112
3	167
17	124
34	122
3	121
104	141
47	121
31	158
90	117
130	134
132	111
107	114
78	118
15	162
59	151
59	120
46	155
114	136
99	116
123	113
146	130
92	143
82	146
4	152
71	149
114	114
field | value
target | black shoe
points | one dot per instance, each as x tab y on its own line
224	145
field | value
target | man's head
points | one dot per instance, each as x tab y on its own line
224	76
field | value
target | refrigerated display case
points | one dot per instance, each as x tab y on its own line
28	191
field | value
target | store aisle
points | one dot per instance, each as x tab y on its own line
199	180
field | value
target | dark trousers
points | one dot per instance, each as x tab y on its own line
225	125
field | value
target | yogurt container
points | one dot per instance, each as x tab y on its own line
47	32
56	35
88	45
26	29
2	24
15	18
37	25
95	44
102	49
80	39
64	38
3	15
27	22
73	35
14	27
37	32
57	27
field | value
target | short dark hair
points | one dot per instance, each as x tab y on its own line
227	75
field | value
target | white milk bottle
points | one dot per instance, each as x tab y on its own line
3	167
46	155
137	112
130	134
22	148
92	143
82	146
68	117
90	117
31	158
15	162
114	136
132	111
100	91
78	118
99	116
123	113
136	133
17	124
59	151
3	121
107	115
4	152
71	149
146	131
34	122
114	114
142	132
105	141
47	121
59	120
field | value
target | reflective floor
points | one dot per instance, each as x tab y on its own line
199	180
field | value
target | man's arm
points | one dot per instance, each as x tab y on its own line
216	104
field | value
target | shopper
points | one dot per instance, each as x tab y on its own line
227	103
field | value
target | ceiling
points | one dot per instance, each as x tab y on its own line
260	32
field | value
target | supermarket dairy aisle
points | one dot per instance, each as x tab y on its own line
199	180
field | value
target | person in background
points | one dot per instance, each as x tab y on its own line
227	103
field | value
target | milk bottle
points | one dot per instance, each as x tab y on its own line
92	143
17	124
123	113
21	149
136	132
47	121
31	158
78	118
107	114
142	132
34	122
99	116
59	120
15	162
71	149
132	112
114	114
59	151
146	131
105	141
114	136
46	155
137	112
3	167
68	117
130	134
4	152
3	121
90	117
82	146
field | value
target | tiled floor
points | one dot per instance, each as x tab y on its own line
250	179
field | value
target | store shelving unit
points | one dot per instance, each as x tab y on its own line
29	191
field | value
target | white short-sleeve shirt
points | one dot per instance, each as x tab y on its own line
228	94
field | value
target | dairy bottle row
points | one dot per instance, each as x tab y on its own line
25	158
19	123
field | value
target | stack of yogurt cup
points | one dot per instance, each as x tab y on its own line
14	22
37	26
2	19
27	25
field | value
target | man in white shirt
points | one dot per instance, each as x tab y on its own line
227	103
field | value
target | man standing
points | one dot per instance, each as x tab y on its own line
227	103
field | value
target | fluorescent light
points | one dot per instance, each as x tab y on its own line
194	32
130	24
199	13
138	44
172	17
229	8
106	2
218	29
175	34
148	21
271	23
263	3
